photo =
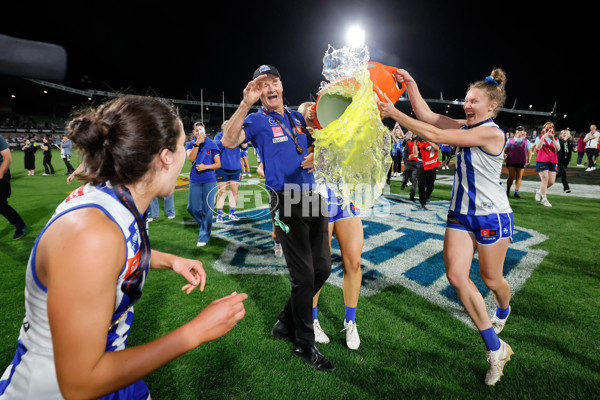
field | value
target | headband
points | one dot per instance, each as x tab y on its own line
491	80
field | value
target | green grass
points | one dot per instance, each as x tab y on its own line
410	348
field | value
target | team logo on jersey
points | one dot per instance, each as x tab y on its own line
402	246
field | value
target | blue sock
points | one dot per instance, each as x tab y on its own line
516	191
502	313
314	313
491	340
350	314
231	211
219	211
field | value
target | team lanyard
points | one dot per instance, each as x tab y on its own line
293	136
132	283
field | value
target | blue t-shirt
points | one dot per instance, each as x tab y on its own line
206	155
281	161
3	146
231	159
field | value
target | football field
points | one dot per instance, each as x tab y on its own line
416	342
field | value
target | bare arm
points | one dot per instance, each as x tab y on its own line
420	106
6	160
488	138
233	133
191	270
215	165
81	299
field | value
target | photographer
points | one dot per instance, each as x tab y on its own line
546	164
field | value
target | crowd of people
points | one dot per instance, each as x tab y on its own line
552	153
133	149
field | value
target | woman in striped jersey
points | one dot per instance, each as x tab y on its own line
480	218
89	264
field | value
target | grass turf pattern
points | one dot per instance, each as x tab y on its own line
410	348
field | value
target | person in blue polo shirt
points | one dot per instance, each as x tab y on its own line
205	157
228	176
299	213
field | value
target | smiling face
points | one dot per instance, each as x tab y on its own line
272	94
478	106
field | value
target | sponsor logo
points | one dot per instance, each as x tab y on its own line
402	246
277	131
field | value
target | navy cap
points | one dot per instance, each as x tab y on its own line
266	69
520	128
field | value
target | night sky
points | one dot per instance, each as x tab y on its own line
550	54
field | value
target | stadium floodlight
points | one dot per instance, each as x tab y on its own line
355	37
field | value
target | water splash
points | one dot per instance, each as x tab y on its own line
352	153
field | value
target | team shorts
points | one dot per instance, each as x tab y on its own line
546	166
521	166
487	229
244	154
338	210
228	175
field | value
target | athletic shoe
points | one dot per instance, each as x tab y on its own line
499	323
150	219
219	218
233	217
19	232
278	250
568	191
320	336
352	339
517	196
200	244
546	203
496	360
171	217
581	165
538	196
45	174
588	169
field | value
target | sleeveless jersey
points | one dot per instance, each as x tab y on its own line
516	152
477	189
35	337
548	152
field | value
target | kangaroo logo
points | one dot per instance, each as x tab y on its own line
402	246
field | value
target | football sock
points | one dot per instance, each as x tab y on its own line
314	313
516	191
502	313
350	314
219	211
231	210
491	340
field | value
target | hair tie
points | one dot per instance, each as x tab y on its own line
491	80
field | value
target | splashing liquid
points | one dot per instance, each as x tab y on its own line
352	152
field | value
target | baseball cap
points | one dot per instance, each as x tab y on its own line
520	128
266	69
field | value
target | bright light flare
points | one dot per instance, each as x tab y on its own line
355	37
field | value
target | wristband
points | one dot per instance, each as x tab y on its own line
196	145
